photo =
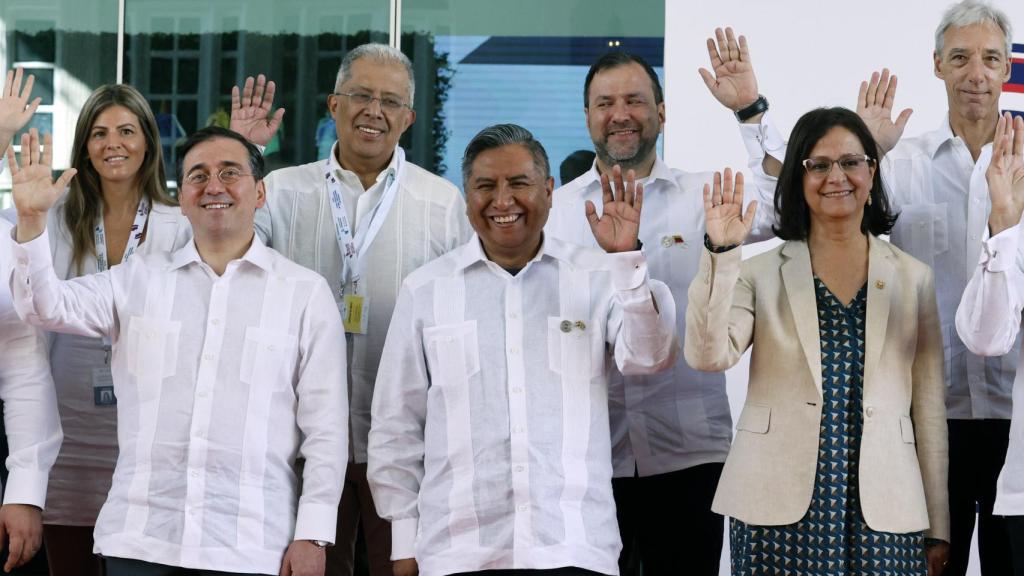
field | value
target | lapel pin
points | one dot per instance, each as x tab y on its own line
880	284
673	240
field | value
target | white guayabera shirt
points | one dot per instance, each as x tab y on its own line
221	383
490	446
989	322
30	402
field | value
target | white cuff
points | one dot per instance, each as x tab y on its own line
26	486
31	256
999	253
316	522
628	269
763	139
403	538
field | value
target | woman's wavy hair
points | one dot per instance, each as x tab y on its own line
84	204
793	216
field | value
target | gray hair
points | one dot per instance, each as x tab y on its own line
380	53
970	12
504	135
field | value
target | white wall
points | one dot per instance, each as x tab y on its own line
806	54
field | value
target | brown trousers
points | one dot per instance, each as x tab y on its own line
69	551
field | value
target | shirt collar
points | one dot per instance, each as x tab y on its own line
335	166
941	136
659	171
474	253
258	254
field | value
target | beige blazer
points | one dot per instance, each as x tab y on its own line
769	302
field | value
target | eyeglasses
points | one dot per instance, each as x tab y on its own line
849	164
227	176
387	103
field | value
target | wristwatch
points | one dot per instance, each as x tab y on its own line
321	544
758	106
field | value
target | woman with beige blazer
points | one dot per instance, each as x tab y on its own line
839	461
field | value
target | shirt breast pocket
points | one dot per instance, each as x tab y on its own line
921	230
571	350
268	357
453	354
152	347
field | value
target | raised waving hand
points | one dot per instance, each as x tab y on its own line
725	222
33	187
617	228
731	81
1005	174
15	108
874	106
250	110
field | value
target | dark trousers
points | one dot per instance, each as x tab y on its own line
128	567
356	513
568	571
69	551
1015	532
977	449
667	525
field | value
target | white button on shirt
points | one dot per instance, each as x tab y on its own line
30	403
941	195
989	322
210	419
427	219
680	417
482	458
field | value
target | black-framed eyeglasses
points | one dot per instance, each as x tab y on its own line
227	177
387	103
849	164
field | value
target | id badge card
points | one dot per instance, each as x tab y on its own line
103	387
355	312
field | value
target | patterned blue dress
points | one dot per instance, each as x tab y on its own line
832	539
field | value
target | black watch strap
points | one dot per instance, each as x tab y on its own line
759	106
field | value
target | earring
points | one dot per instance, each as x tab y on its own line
869	199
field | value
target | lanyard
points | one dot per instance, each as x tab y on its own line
138	227
135	236
354	248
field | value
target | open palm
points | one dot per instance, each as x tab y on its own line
1005	174
874	106
250	110
618	227
733	82
725	222
15	109
33	188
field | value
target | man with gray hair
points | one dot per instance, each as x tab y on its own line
364	218
937	183
490	445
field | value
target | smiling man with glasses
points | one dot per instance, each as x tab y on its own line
364	218
225	371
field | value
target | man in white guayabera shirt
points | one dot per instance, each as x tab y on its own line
489	445
31	423
364	218
225	369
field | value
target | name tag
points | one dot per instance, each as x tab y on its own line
103	387
355	313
